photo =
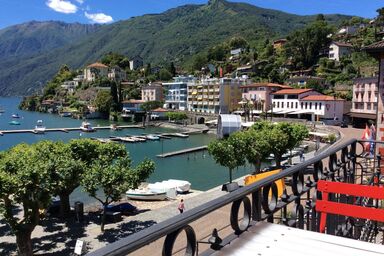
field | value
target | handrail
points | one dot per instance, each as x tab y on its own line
153	233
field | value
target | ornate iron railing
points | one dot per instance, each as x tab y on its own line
261	201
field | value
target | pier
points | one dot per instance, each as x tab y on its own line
183	151
71	129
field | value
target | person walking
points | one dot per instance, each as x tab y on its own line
181	206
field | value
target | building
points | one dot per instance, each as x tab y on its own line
279	43
260	94
364	100
308	104
338	50
176	92
152	92
70	86
94	71
117	74
215	96
132	106
135	63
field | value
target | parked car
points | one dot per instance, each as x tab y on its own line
124	208
343	124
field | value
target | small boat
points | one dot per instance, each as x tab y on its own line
146	195
2	110
181	186
87	127
152	137
15	116
66	114
14	123
39	128
181	135
114	127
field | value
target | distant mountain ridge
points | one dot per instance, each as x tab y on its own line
174	35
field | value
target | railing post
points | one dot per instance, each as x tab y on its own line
256	205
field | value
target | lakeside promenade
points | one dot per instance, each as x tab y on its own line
55	237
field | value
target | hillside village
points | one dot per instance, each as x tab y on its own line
318	73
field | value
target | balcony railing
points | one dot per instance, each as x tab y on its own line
262	201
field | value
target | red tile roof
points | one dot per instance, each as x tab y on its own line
291	91
134	101
159	110
321	98
97	65
341	44
266	85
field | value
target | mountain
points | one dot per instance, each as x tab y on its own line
39	37
175	35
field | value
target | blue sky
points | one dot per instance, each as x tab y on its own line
106	11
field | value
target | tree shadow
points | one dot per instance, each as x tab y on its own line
7	248
124	230
5	230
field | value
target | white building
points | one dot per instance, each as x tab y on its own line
176	92
70	86
135	63
338	50
308	104
94	71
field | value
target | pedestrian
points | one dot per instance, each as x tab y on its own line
181	206
301	157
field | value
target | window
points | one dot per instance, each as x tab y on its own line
320	105
316	105
282	104
278	96
306	105
296	105
278	104
310	105
291	104
292	97
302	105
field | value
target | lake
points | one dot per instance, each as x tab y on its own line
198	168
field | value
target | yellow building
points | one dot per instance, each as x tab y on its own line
213	95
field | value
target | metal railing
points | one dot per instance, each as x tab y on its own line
261	201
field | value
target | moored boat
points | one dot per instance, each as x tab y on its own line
15	116
181	135
87	127
146	195
39	128
152	137
181	186
14	123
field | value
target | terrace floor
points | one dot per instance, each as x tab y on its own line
269	239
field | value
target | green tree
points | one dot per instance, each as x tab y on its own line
257	148
26	183
103	101
176	116
114	177
227	154
165	75
115	104
199	61
304	45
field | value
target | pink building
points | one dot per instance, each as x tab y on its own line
260	94
364	100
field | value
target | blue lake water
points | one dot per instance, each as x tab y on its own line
198	168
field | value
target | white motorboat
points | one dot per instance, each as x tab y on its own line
146	195
152	137
39	128
181	135
181	186
87	127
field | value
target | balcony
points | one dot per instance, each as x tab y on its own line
274	215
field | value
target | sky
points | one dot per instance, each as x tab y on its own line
106	11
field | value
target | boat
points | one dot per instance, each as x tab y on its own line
114	127
15	116
14	123
152	137
65	114
181	135
2	110
181	186
146	195
39	128
87	127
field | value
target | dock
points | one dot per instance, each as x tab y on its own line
183	151
3	132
